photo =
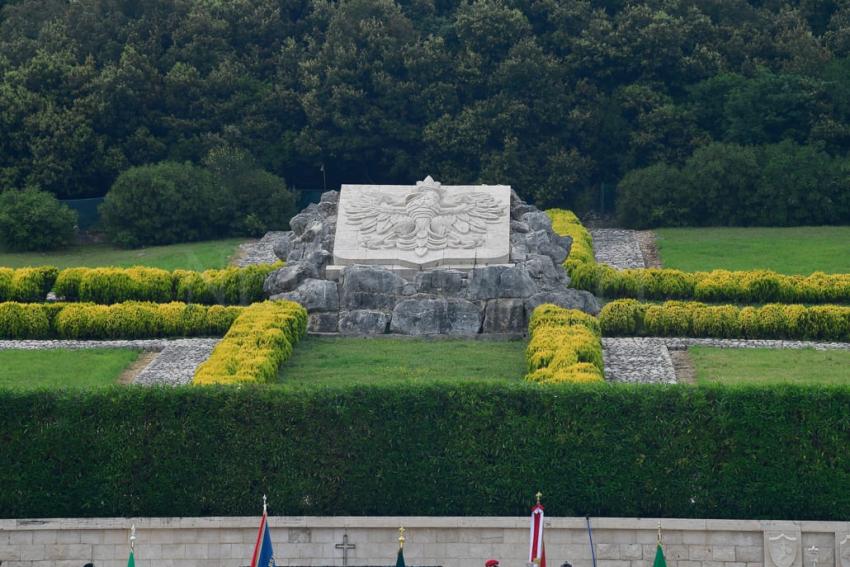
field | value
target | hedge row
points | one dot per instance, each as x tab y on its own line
26	284
260	339
131	320
228	286
629	317
564	346
756	286
450	449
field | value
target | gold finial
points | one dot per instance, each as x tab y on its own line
539	495
401	531
659	532
132	537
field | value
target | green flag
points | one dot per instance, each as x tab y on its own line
400	561
659	558
131	562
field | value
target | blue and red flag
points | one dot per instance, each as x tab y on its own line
263	553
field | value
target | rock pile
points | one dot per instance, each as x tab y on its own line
371	299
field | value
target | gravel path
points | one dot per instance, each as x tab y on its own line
647	359
175	364
258	251
617	247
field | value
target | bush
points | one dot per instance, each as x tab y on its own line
255	346
260	200
564	346
602	450
131	320
228	286
26	284
566	223
35	220
690	319
165	203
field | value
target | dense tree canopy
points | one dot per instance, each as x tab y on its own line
555	98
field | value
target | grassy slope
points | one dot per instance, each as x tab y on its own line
190	256
345	361
770	366
794	250
31	369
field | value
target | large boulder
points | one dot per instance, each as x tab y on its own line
537	221
327	322
288	278
314	295
544	271
370	287
436	316
505	316
363	322
439	282
490	282
567	298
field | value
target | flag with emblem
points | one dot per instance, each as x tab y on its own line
131	561
263	553
399	562
537	549
659	552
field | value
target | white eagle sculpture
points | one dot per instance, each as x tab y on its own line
428	219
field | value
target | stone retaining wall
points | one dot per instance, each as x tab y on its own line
446	541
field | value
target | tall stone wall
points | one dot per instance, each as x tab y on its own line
445	541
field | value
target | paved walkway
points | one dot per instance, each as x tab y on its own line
175	364
617	247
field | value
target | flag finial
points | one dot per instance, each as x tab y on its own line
265	504
132	537
539	495
659	532
401	531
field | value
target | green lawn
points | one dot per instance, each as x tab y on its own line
795	250
31	369
770	366
347	361
190	256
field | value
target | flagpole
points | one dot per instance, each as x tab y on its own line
590	536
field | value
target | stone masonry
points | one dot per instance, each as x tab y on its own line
445	541
362	299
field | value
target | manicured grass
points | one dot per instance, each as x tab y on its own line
190	256
31	369
346	361
794	250
770	366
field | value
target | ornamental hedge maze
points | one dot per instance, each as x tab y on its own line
594	447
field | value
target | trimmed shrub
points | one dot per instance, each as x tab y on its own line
566	223
164	203
131	320
227	286
611	450
35	220
564	346
26	285
691	319
256	344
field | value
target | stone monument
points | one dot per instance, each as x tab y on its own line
424	259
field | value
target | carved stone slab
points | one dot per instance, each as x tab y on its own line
782	548
423	225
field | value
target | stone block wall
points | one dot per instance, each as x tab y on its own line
449	542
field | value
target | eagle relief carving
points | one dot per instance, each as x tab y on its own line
427	219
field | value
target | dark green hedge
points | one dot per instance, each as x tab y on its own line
431	450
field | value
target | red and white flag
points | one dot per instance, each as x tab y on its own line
536	549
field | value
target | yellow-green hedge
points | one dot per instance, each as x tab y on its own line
26	284
131	320
629	317
755	286
564	346
260	339
228	286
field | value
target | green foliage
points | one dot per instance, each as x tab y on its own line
228	286
163	204
601	450
35	220
255	346
691	319
727	184
130	320
563	346
26	284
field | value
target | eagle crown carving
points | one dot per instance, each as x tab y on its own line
427	219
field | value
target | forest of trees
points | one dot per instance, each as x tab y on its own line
557	98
